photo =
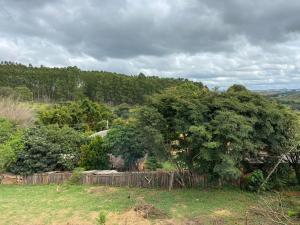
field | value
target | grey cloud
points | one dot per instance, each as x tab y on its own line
255	43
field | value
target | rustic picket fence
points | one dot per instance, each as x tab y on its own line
155	179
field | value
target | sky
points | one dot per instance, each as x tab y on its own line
255	43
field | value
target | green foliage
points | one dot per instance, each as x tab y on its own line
11	142
9	150
152	163
213	132
122	111
84	115
70	83
132	143
254	181
76	176
21	93
101	220
237	88
49	148
94	155
6	92
7	129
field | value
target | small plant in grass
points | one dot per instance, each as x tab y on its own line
76	176
101	220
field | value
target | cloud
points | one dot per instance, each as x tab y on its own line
255	43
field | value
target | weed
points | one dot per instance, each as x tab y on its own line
101	220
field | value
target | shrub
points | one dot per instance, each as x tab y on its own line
10	149
132	143
282	177
94	155
21	93
76	176
101	220
7	129
254	181
49	148
152	163
11	142
84	115
6	92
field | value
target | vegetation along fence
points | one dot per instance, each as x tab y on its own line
165	180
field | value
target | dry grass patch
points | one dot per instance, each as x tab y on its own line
149	211
101	190
20	113
222	213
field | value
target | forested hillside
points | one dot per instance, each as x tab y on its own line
71	83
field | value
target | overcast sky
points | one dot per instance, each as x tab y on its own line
218	42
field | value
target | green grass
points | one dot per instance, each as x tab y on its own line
47	205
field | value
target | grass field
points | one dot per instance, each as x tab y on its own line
22	205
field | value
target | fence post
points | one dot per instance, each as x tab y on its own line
171	181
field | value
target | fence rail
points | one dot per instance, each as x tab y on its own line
164	180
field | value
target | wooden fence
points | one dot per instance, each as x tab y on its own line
164	180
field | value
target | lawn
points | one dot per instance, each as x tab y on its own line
22	205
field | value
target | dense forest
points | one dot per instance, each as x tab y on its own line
70	83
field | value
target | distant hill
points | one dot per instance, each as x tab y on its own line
286	97
71	83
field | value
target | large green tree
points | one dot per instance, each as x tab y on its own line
215	132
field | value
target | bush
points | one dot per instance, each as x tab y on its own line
152	163
21	93
101	220
84	115
10	149
7	129
282	177
49	148
94	155
76	176
132	143
6	92
254	181
11	142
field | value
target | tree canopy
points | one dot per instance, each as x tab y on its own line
215	132
71	83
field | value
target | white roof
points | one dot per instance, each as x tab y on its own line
101	133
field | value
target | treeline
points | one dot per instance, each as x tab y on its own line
70	83
228	135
